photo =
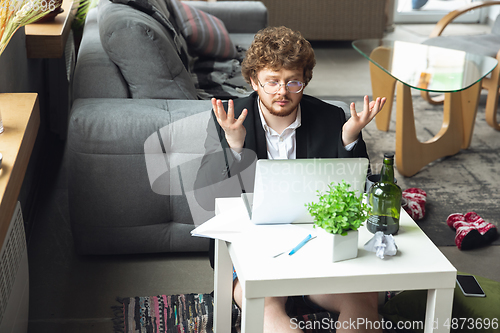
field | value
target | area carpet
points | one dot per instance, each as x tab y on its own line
467	181
193	313
165	314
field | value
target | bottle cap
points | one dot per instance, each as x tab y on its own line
388	155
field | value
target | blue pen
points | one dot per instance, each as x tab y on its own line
295	249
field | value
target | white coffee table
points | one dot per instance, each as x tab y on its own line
418	265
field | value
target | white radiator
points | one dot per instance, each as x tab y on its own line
14	278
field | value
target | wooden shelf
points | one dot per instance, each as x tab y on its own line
48	39
21	119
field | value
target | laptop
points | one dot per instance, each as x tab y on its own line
283	187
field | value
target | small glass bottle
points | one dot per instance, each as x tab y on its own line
384	198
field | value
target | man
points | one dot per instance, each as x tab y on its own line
278	121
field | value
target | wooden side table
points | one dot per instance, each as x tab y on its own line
53	42
48	39
21	119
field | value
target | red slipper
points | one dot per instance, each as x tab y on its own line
487	230
415	202
467	237
455	217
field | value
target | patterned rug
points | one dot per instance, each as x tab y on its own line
165	314
467	181
193	313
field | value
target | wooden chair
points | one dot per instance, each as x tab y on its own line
486	44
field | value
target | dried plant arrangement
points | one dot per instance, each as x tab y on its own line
18	13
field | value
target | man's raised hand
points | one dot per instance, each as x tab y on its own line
233	128
358	121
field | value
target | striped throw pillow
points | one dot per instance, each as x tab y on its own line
205	34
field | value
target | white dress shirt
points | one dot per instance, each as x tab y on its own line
281	146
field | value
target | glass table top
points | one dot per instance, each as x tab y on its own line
426	67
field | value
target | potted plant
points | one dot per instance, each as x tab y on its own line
339	212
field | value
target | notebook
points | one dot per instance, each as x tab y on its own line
283	187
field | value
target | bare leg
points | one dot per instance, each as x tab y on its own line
275	318
357	312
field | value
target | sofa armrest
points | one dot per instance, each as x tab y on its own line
238	16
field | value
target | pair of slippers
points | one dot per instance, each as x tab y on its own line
471	230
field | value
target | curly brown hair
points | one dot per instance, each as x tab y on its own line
276	48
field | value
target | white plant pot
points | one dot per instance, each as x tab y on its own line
340	247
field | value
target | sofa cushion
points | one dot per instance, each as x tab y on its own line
95	74
232	13
147	53
159	11
206	34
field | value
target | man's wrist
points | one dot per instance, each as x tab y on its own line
347	139
237	150
236	146
346	142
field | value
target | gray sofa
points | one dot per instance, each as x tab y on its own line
137	127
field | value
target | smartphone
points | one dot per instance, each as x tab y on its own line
470	286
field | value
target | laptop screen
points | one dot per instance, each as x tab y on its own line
284	187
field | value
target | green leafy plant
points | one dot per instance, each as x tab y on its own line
339	209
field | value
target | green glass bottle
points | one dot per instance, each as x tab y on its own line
385	199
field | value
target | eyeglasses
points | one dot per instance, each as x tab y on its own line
272	87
